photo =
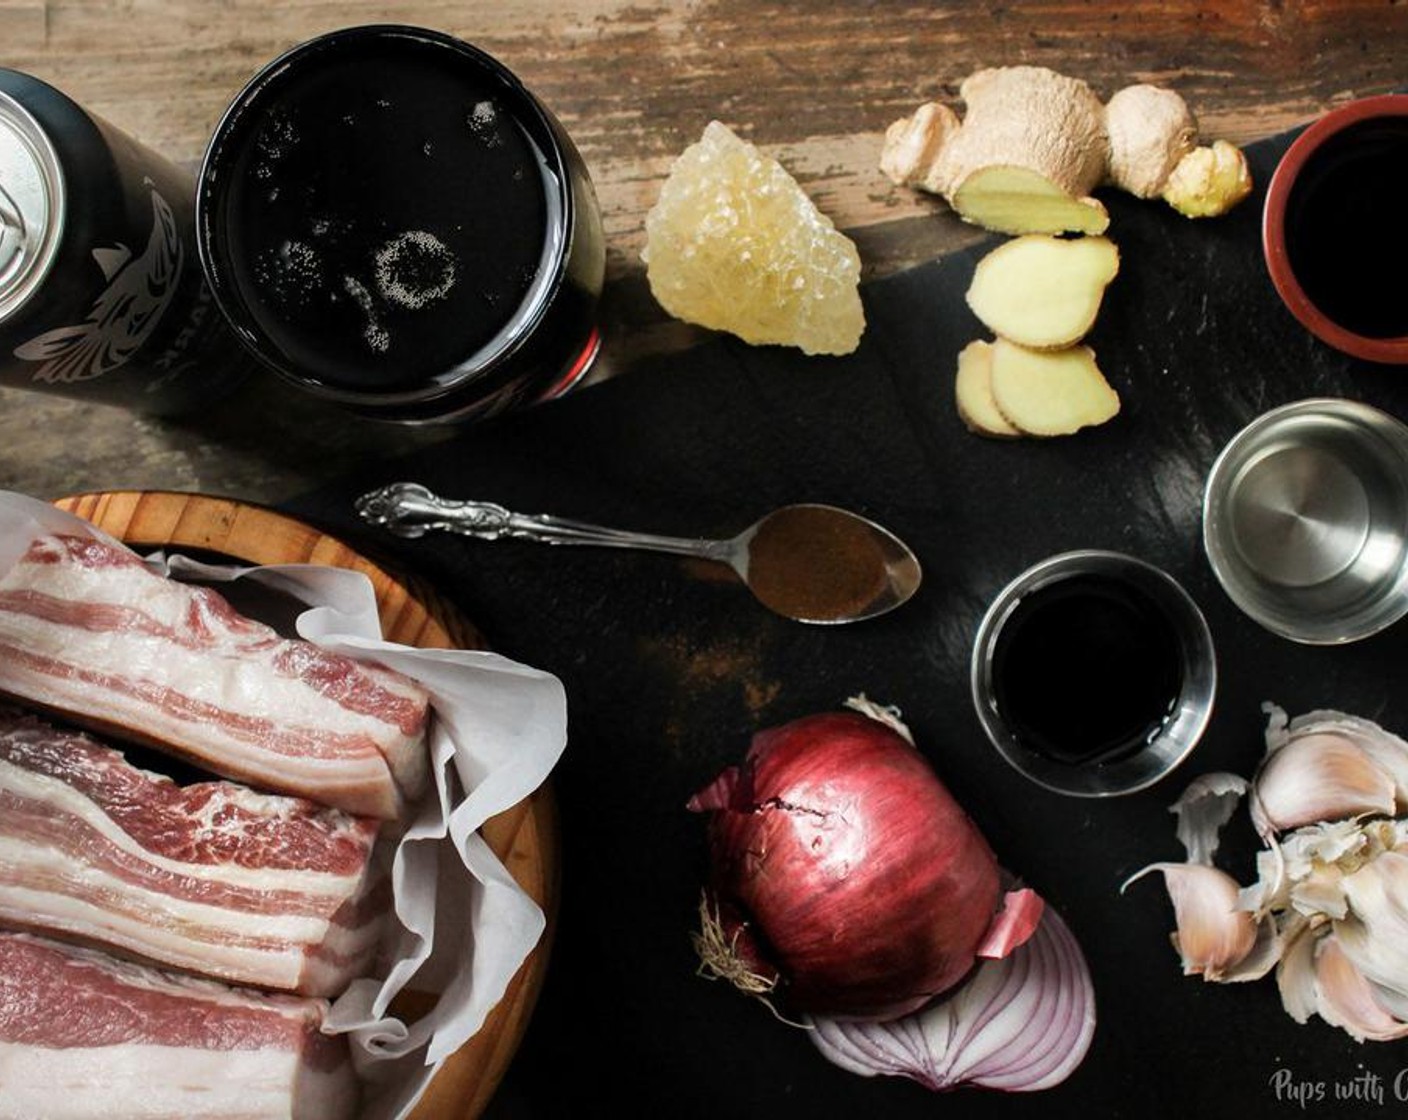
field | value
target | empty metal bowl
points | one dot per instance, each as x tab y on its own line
1305	520
1167	742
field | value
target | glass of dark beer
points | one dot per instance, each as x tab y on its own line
390	220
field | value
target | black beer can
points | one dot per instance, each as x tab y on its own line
101	291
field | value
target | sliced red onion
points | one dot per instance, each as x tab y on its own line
1018	1024
1042	1055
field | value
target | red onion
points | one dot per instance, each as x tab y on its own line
845	879
1018	1024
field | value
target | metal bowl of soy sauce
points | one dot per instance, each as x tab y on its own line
1094	673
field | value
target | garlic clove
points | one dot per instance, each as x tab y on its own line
1261	958
1374	936
1213	935
1384	747
1392	1000
1346	999
1205	806
1295	972
1318	776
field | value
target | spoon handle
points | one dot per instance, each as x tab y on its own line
410	510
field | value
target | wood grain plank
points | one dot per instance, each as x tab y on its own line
23	24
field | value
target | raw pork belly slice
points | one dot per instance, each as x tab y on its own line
84	1036
254	888
87	630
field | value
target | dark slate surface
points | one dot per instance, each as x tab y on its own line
669	671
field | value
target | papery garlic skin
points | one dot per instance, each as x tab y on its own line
1206	805
1305	870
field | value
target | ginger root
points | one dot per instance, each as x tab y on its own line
1034	144
1042	291
1150	130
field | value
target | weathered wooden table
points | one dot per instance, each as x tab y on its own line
814	82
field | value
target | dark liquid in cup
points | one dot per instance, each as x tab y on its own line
1086	669
388	217
1346	237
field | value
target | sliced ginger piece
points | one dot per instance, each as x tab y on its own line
1011	199
972	390
1041	291
1050	392
734	244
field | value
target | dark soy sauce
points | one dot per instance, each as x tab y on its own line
1086	669
388	217
1346	231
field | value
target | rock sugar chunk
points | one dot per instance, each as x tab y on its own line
734	244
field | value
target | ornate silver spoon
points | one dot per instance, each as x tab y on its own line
812	563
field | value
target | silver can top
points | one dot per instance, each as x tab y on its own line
31	205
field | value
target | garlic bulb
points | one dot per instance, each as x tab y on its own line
1329	907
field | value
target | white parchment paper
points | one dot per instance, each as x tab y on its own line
498	728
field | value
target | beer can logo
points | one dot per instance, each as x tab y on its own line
123	316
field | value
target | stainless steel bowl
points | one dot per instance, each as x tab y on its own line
1305	520
1188	716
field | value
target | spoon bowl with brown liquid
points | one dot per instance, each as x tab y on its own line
811	563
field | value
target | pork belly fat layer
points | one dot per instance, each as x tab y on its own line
259	889
84	1036
89	631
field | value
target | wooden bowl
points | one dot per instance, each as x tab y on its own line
524	837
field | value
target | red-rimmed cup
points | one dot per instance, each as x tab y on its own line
1333	230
